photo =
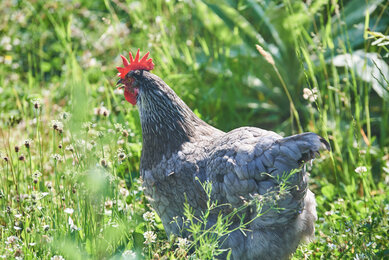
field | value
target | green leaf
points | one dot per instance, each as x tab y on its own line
328	191
233	19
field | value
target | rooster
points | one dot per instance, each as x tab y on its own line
181	152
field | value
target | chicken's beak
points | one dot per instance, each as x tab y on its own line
119	84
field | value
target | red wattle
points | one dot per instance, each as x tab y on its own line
131	96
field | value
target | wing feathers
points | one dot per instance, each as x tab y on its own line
253	165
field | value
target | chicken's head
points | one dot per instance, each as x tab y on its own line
130	89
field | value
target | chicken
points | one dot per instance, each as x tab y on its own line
180	151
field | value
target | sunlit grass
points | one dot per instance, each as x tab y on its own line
70	145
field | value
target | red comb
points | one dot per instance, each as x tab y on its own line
142	64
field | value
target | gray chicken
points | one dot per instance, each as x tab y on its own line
180	151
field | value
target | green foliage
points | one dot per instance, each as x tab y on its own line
72	189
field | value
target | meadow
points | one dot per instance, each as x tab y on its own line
70	144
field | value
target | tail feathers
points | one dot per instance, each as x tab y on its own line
303	147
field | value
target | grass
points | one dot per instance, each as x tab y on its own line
70	145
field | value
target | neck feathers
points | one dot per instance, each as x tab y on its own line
167	122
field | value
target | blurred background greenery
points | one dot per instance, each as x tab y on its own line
331	58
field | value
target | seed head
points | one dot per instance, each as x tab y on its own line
69	148
21	157
57	125
103	163
266	55
49	185
121	156
17	148
36	174
56	157
27	143
101	111
36	103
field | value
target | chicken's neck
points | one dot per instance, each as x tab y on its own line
167	123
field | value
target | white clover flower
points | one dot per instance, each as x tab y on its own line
329	213
310	95
71	225
108	204
12	240
150	237
361	169
182	243
158	19
5	40
89	146
118	91
124	192
6	43
149	216
87	60
44	194
16	41
118	127
69	210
